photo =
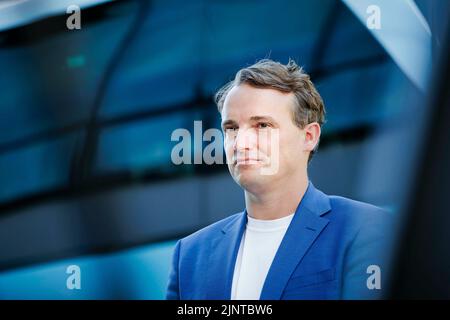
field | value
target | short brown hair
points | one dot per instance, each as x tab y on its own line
287	78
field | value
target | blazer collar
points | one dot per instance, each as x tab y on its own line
307	223
305	227
313	200
222	259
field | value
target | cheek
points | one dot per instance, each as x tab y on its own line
291	151
289	148
262	146
228	146
266	141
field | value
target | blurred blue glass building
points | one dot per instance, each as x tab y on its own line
86	118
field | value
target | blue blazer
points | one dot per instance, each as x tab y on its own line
326	253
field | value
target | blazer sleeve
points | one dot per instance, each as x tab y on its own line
173	287
366	268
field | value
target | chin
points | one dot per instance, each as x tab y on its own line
251	179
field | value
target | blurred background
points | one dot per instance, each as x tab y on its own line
86	118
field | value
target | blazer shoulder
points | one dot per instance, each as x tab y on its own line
358	213
354	206
210	231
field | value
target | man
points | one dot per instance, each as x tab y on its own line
292	241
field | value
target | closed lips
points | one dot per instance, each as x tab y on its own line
246	160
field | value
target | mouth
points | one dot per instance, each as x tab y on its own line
246	161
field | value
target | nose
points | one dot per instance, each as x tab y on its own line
246	139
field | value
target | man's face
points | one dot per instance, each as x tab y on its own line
263	146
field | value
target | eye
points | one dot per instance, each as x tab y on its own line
263	125
230	129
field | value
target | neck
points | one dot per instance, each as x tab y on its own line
278	201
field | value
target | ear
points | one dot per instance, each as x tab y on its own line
312	134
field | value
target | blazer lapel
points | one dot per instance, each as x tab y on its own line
224	250
305	227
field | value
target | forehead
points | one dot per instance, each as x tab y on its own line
245	101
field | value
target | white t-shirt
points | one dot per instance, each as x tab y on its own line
258	247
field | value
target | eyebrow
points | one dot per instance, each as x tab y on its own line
262	118
228	122
254	119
